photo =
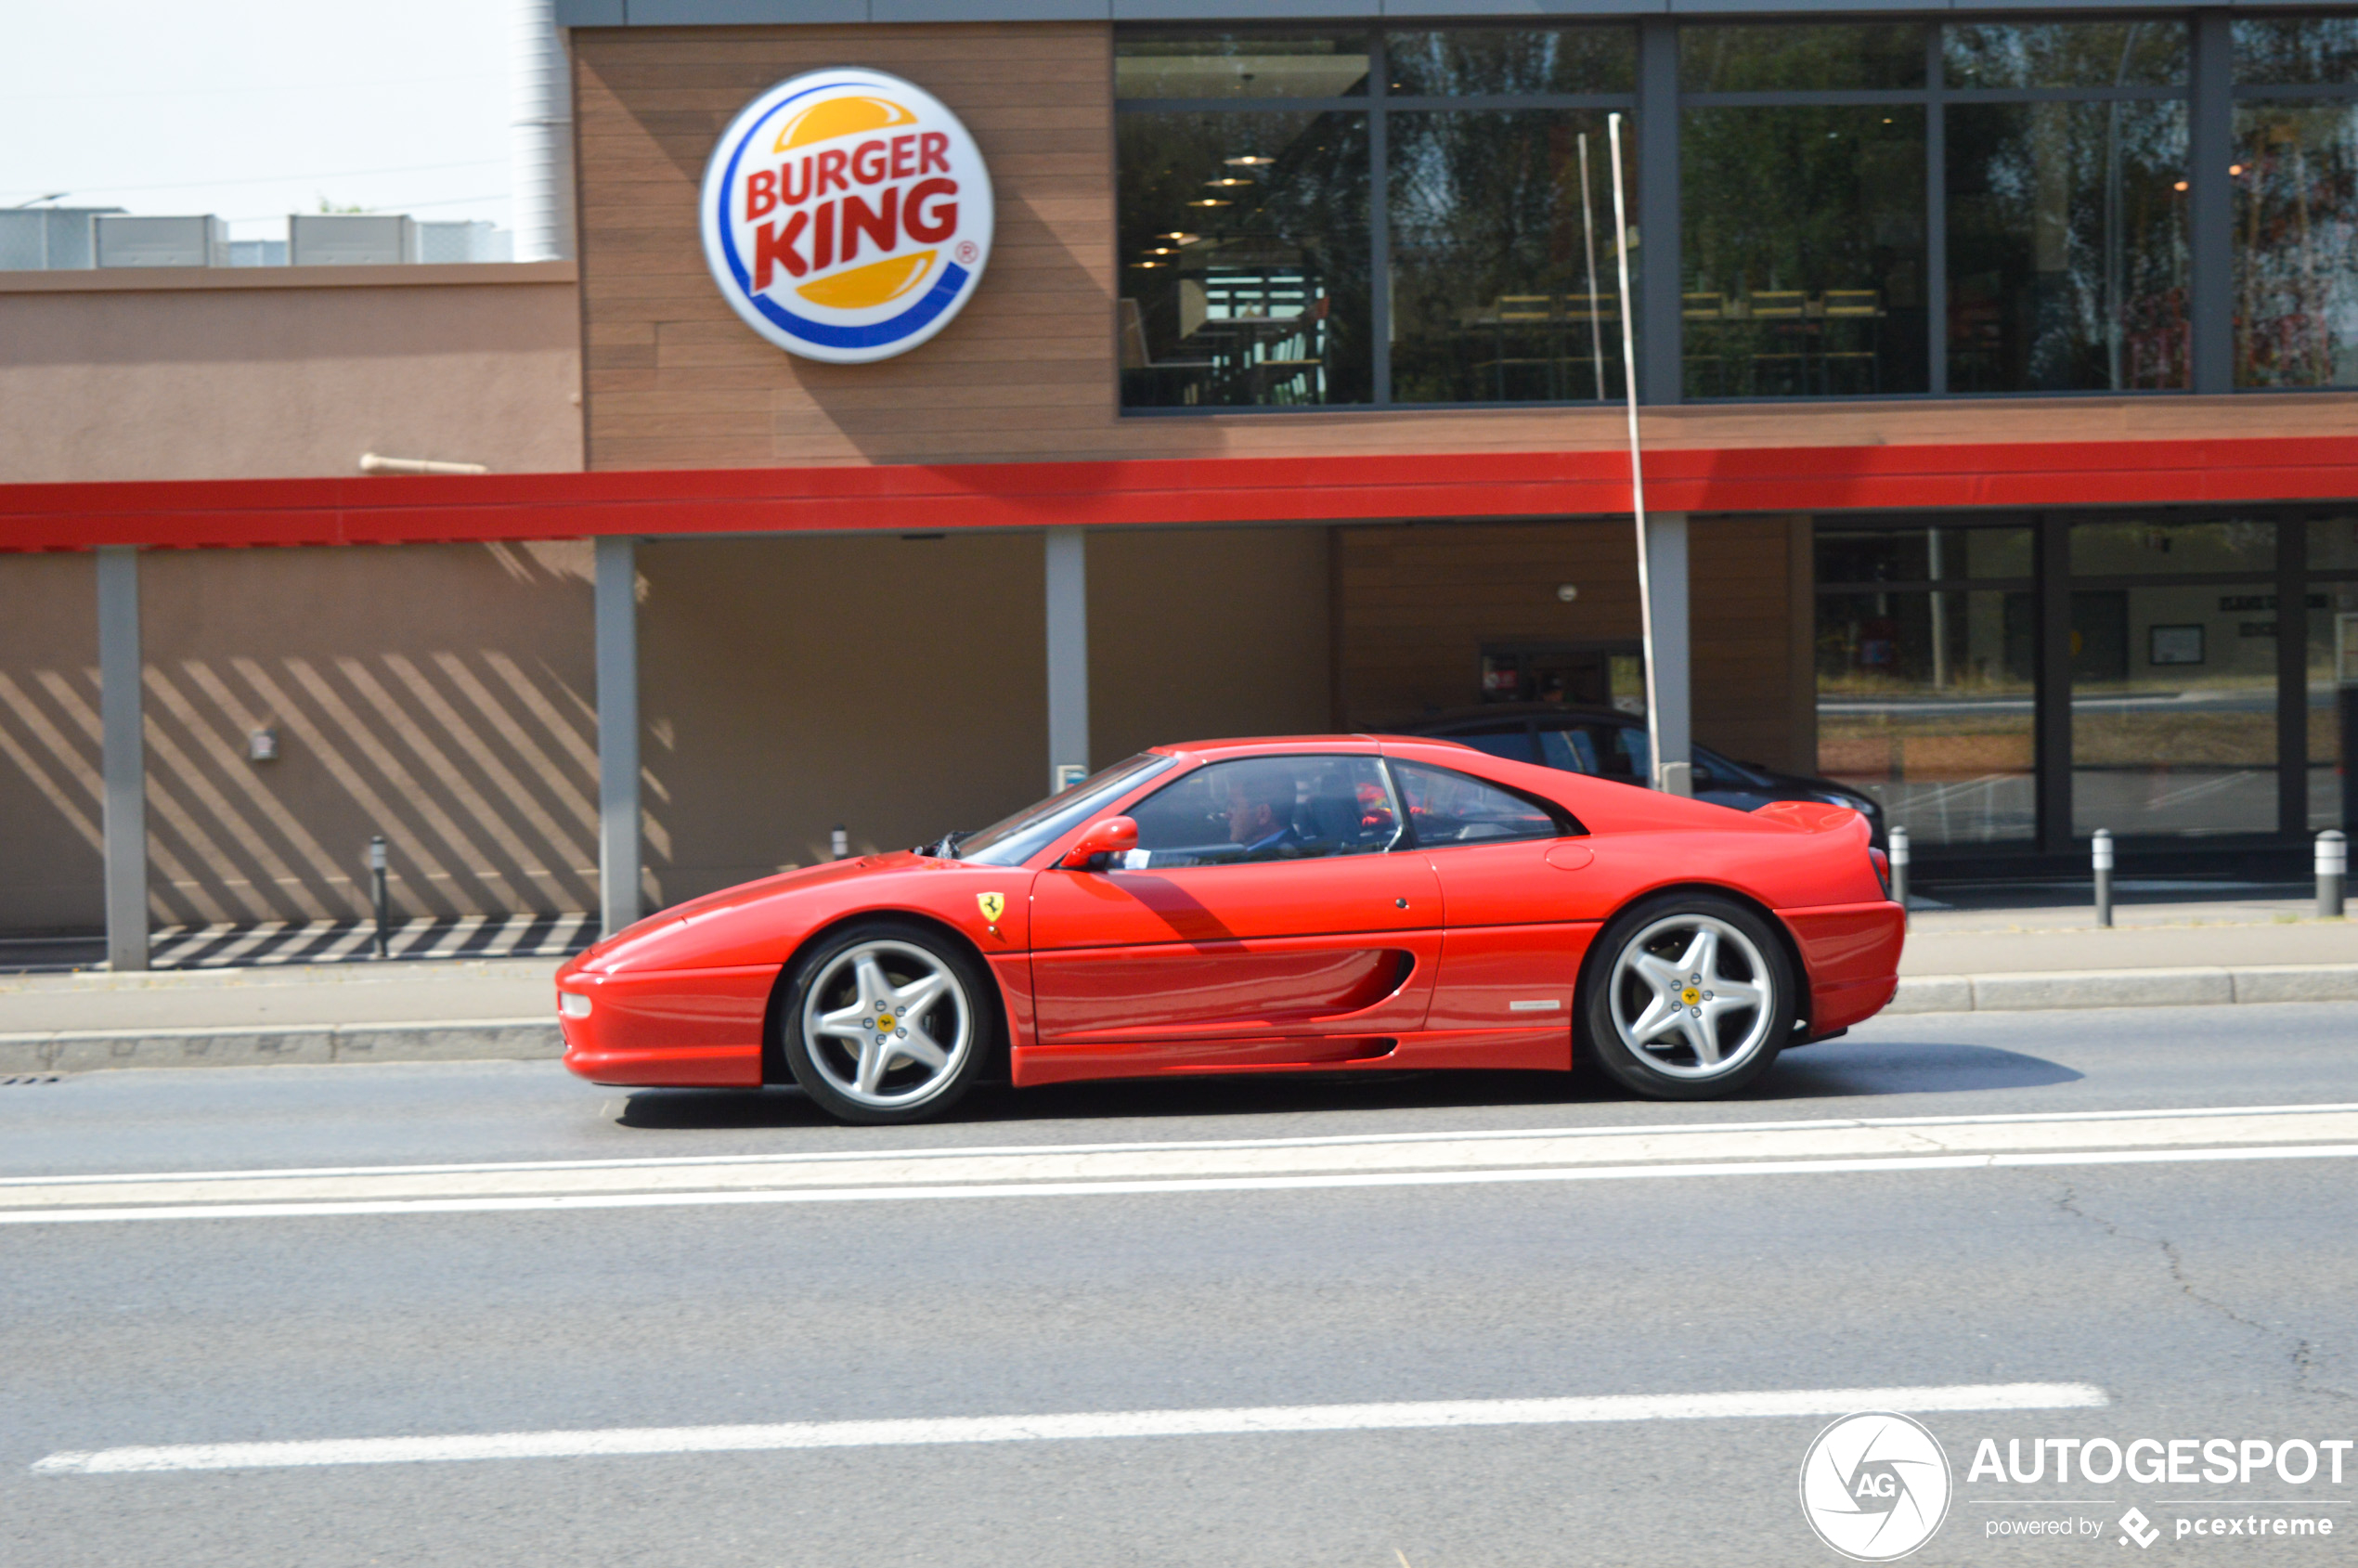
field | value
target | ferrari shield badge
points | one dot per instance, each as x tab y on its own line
992	905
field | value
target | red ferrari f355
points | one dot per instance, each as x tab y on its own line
1321	903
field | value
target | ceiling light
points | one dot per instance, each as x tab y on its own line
1247	163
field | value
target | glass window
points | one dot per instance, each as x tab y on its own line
1606	751
2296	238
2297	51
1241	65
1451	808
2333	708
2173	710
2066	246
1503	263
1027	833
1785	56
1267	808
2122	549
1926	700
2064	54
1456	62
2333	544
1804	266
1244	260
1920	554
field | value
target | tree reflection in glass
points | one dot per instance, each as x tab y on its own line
1503	280
1803	268
2066	246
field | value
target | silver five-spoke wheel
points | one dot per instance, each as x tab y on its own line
887	1025
1687	996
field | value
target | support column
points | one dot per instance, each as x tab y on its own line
616	637
1067	657
123	758
1671	652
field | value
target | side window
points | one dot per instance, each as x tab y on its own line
1267	809
1574	751
1608	751
1450	807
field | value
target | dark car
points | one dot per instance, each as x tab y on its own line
1611	745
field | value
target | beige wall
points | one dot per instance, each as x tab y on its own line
49	820
204	374
440	694
898	686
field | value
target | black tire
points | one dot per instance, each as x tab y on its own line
890	1083
1664	1056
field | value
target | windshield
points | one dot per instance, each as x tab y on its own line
1019	838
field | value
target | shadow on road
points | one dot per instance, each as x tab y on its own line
1834	1071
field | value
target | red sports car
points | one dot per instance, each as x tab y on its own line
1320	903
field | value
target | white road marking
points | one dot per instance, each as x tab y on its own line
905	1194
1066	1427
1370	1140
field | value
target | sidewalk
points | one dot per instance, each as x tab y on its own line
2231	947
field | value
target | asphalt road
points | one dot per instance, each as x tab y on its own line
2205	1298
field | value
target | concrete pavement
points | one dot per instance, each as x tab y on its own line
2191	1300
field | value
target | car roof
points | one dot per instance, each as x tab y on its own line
1508	712
1264	746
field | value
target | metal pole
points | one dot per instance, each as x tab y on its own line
2333	872
839	842
377	895
1068	617
614	599
1900	870
2100	854
123	758
1636	464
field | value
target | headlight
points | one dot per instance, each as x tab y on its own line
573	1004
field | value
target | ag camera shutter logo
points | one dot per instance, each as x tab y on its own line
847	216
1875	1486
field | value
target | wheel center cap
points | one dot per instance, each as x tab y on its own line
884	1020
1691	996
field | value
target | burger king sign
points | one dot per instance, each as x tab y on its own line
847	216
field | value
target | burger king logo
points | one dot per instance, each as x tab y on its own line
847	216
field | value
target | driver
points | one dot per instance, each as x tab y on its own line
1259	800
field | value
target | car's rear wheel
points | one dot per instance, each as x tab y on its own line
1687	996
886	1021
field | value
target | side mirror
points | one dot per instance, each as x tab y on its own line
1112	837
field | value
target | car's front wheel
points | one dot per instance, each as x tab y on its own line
1687	996
886	1021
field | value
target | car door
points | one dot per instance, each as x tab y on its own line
1271	913
1519	906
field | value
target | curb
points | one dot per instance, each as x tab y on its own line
2045	989
455	1040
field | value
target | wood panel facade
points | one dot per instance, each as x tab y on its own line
1415	605
1028	372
